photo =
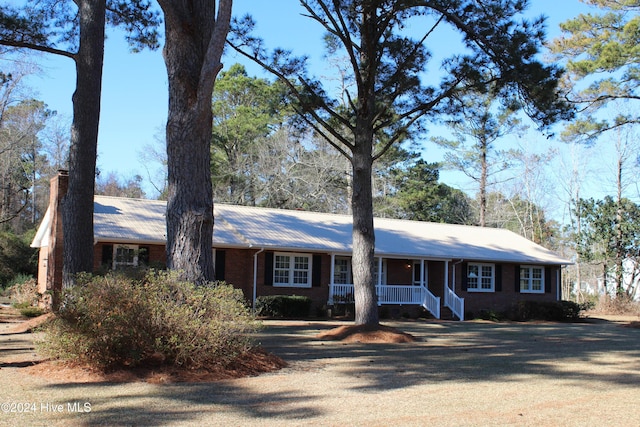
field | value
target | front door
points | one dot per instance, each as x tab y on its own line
417	273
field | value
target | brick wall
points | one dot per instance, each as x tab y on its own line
399	272
509	295
318	294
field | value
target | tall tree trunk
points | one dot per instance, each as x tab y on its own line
483	183
620	254
363	235
192	51
77	211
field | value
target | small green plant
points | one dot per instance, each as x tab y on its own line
32	311
283	306
116	321
491	315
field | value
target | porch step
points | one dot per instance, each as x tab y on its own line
446	314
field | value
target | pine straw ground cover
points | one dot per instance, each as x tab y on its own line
452	374
251	363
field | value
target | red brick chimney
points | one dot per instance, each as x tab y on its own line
58	189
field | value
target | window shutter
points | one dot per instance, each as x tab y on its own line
268	268
316	273
498	278
220	259
464	276
517	276
107	256
547	280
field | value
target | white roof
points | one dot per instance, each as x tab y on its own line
143	221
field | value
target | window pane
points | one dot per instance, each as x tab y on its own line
536	285
301	263
282	261
300	277
473	271
281	276
487	271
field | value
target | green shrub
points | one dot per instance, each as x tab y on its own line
283	306
555	311
114	321
32	311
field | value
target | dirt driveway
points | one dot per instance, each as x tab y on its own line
458	374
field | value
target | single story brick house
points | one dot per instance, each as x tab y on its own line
272	251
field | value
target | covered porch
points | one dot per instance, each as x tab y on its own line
400	282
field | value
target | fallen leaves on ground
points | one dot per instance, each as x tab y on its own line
367	334
251	363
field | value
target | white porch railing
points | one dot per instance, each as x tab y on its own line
390	294
430	302
454	302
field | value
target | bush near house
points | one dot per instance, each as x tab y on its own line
283	306
556	311
522	311
114	321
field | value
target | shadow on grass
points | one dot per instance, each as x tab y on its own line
589	355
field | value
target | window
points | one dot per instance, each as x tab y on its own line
292	270
531	279
480	277
125	256
342	271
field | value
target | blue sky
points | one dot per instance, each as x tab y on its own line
134	100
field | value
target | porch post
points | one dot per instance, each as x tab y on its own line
332	277
446	273
379	271
422	273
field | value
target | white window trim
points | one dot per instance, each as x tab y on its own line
479	288
117	264
348	272
291	270
530	289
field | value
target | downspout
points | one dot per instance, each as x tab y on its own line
255	279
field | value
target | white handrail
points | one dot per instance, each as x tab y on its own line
454	302
431	302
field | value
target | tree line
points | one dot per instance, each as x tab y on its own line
260	142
